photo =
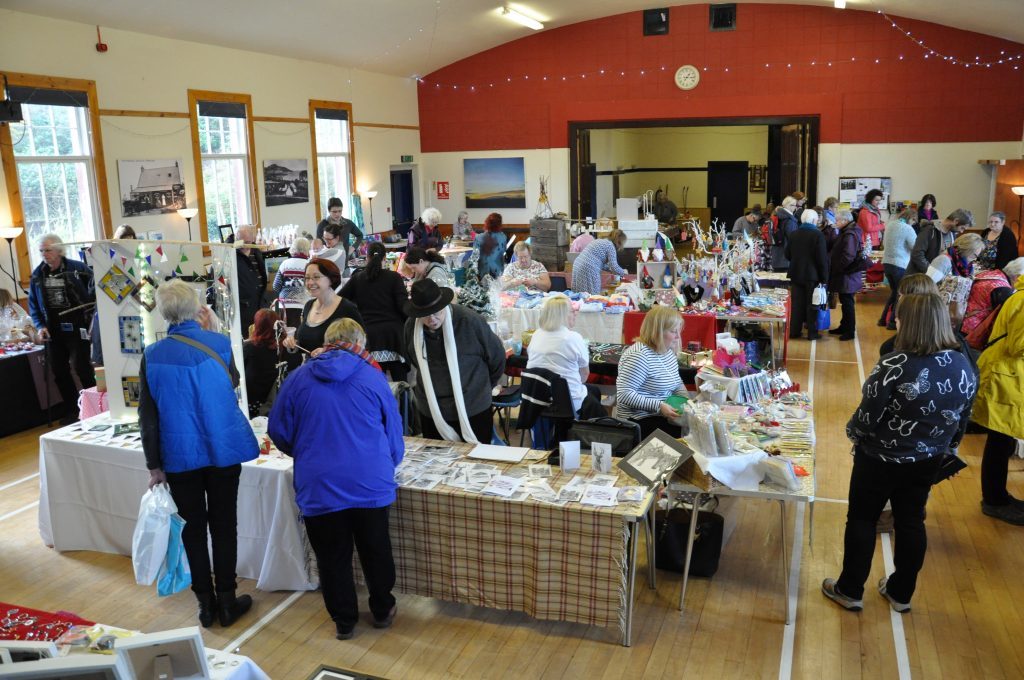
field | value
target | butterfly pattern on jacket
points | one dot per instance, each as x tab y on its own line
912	390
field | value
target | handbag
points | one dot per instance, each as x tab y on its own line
623	435
671	531
820	295
979	335
824	319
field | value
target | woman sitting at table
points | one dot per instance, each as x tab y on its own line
425	233
525	271
380	295
337	418
322	278
427	264
601	255
491	246
912	415
462	229
195	439
557	348
649	373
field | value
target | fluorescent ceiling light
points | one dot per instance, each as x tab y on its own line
521	19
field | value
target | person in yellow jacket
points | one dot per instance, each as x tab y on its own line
999	408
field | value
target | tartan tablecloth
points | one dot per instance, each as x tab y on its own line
556	563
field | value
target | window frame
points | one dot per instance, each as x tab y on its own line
315	104
194	97
9	161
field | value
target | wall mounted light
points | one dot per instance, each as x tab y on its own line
521	19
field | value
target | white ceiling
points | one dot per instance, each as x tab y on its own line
415	37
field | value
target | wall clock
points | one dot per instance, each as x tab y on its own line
687	77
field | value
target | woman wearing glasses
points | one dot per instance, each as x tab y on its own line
322	278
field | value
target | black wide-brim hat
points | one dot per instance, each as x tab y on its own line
426	298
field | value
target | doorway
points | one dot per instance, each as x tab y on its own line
727	190
402	201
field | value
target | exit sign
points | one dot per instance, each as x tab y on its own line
407	159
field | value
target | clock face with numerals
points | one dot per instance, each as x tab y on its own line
687	77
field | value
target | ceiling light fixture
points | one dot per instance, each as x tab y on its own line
840	4
521	19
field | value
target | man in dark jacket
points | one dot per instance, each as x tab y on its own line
847	265
252	278
785	227
458	361
936	239
59	292
808	268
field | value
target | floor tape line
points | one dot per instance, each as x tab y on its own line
899	636
19	511
233	646
16	482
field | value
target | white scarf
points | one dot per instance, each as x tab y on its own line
453	371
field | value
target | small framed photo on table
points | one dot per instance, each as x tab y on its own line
657	456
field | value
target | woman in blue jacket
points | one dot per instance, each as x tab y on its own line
196	438
337	418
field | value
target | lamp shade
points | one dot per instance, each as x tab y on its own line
371	195
11	232
1017	190
188	213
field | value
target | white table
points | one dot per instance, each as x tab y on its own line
593	326
89	500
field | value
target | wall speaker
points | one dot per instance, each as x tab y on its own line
656	21
723	17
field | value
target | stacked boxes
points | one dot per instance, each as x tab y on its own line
549	243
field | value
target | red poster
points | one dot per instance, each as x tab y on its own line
443	191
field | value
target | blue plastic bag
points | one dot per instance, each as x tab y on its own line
174	574
824	319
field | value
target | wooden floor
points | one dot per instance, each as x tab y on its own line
966	620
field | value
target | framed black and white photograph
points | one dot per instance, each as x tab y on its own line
655	457
151	187
285	182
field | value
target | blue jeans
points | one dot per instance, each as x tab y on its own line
894	274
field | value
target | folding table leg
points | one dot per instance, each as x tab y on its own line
698	500
651	526
627	632
785	558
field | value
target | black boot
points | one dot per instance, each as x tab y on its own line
231	608
207	608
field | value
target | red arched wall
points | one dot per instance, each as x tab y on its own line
499	99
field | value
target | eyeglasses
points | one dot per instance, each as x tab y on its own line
315	278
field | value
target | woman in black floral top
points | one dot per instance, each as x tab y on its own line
913	414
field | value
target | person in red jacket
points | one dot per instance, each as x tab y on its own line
869	219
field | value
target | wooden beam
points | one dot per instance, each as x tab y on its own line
389	126
279	119
132	113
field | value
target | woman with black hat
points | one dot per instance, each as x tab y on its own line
458	361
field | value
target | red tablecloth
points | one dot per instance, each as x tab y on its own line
17	622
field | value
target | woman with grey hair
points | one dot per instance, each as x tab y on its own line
426	233
1000	243
195	439
462	229
289	283
60	293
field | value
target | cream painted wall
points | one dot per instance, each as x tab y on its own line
949	171
447	167
147	73
673	147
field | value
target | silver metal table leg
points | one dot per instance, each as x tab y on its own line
698	500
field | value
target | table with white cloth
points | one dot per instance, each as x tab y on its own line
91	484
593	326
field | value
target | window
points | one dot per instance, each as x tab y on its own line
331	123
55	166
223	153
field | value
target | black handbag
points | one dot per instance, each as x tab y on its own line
671	530
623	435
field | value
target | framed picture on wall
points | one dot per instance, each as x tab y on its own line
151	187
494	182
758	178
285	182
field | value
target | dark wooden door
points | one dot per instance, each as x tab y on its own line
727	190
401	198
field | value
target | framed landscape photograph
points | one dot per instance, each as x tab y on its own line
494	182
285	182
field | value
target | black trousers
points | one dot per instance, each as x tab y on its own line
207	498
894	275
398	371
332	537
657	422
995	463
67	350
802	311
906	486
848	324
482	425
591	406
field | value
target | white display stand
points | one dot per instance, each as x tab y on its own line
638	231
127	274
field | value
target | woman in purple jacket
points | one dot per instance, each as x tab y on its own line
846	276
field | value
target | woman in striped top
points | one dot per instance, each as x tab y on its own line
600	255
649	373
